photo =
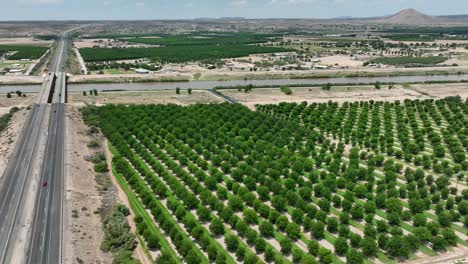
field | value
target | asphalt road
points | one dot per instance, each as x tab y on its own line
44	243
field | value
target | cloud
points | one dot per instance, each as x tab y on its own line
238	3
41	2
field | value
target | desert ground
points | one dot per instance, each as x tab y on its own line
16	79
17	101
24	41
443	89
87	195
347	93
316	94
146	97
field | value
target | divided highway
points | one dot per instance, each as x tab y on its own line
31	188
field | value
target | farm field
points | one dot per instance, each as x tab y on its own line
358	182
410	60
24	52
175	54
208	39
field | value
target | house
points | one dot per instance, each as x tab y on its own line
142	71
320	67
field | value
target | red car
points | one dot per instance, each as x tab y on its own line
44	184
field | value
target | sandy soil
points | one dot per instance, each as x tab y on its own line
126	78
105	43
315	94
456	255
84	70
443	90
18	79
90	43
84	198
17	101
340	60
23	41
146	97
9	136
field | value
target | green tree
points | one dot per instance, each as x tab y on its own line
313	247
341	246
217	227
354	257
250	216
332	225
286	246
439	243
398	247
326	256
193	257
266	229
232	243
318	230
152	242
419	220
377	85
369	247
293	231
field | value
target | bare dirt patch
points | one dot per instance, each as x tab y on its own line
443	90
24	41
338	94
9	136
146	97
15	100
127	78
453	256
341	60
18	79
85	196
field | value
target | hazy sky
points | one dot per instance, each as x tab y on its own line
173	9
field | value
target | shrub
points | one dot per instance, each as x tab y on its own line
286	90
101	167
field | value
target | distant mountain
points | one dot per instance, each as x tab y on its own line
411	17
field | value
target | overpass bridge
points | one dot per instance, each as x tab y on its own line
31	188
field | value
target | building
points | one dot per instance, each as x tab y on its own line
142	71
320	67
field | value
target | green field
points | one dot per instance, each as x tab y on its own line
176	54
24	52
203	39
376	180
410	60
412	37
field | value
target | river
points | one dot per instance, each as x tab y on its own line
211	84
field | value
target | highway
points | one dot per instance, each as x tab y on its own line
31	188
